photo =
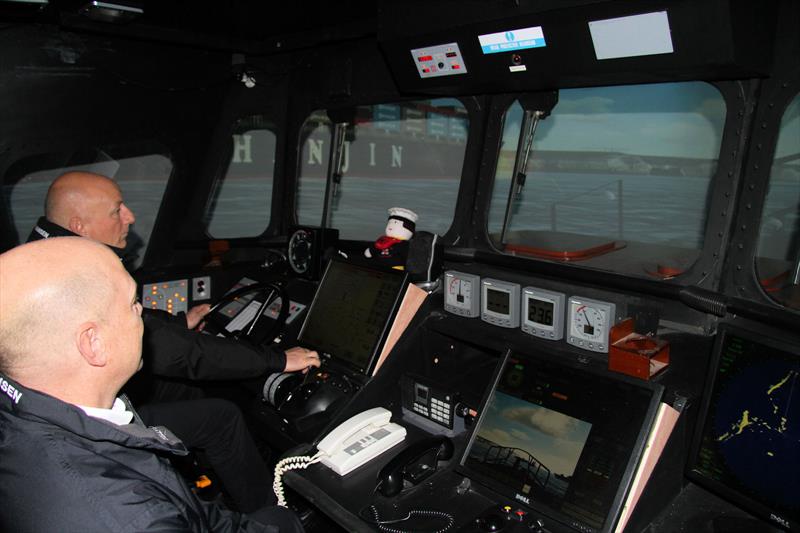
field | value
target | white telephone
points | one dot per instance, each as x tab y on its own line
359	439
351	444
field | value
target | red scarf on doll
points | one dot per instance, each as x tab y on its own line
384	242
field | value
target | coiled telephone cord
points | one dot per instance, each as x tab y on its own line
411	514
290	463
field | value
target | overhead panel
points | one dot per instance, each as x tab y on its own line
594	43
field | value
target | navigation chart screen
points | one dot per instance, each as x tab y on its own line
748	448
351	312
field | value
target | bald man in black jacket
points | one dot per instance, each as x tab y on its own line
75	456
91	206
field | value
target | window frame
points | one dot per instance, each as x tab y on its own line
222	172
472	106
706	271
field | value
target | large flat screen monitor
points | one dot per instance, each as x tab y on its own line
747	446
351	313
561	442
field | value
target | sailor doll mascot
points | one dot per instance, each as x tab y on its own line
391	249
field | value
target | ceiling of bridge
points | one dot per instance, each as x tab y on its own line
264	26
222	24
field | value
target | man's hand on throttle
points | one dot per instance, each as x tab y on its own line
298	358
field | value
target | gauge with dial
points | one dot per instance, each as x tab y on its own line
590	322
462	293
308	248
300	248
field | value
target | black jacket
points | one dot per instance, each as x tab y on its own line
171	350
62	470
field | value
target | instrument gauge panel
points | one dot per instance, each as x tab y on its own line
543	313
462	294
589	322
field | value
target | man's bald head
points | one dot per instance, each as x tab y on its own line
89	205
57	297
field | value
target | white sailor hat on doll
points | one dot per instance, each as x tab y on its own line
402	223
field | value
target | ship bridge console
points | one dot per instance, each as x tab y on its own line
561	405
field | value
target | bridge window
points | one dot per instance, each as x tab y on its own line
141	178
240	203
617	178
778	261
394	155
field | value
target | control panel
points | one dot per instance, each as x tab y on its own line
508	518
439	60
428	401
170	296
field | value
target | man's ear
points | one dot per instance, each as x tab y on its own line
75	225
91	345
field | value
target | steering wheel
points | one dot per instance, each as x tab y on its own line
270	291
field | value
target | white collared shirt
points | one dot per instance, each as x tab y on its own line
116	415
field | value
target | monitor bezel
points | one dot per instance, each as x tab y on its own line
723	490
617	503
342	364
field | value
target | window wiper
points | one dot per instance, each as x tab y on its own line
334	177
530	119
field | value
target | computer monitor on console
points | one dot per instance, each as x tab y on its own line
747	445
561	442
351	313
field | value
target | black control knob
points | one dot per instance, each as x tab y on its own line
537	526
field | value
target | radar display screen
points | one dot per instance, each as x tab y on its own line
561	441
748	446
351	313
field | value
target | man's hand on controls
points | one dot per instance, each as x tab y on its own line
196	314
298	358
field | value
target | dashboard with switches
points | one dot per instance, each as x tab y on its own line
171	296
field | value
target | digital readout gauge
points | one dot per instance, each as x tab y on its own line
500	303
543	313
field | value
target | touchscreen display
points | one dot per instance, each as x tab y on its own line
352	311
561	441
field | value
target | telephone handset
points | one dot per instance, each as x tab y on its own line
351	444
415	463
360	439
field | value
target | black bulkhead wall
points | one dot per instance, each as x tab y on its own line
266	98
66	92
288	87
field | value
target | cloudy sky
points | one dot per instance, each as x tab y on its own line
553	438
678	119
